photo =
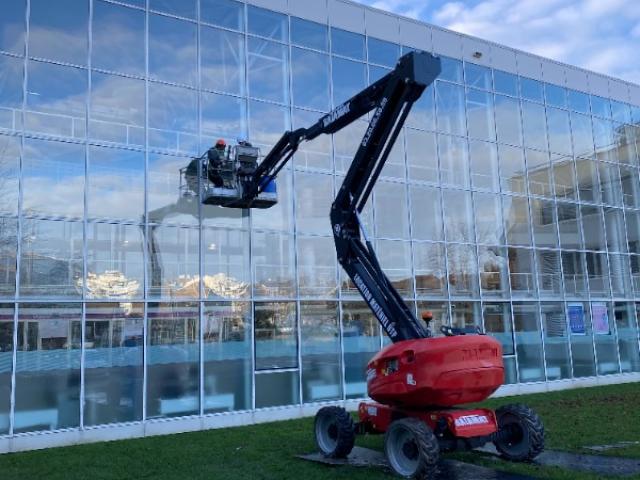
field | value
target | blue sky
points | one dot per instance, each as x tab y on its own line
600	35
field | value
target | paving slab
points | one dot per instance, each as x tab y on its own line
447	469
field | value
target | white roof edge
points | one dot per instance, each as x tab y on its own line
490	42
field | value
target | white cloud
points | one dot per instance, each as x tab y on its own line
603	36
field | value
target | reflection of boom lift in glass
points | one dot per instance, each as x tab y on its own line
418	381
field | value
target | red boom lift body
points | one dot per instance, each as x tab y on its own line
418	381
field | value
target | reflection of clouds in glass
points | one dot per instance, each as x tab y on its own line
12	26
172	117
58	30
172	49
223	115
310	73
222	60
267	70
9	159
267	122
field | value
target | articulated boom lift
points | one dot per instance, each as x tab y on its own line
417	381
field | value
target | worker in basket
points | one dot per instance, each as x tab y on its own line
217	157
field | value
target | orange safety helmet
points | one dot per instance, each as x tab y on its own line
221	143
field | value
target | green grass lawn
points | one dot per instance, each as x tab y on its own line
573	419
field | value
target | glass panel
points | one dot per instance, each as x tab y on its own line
549	273
454	161
627	327
180	8
555	95
310	79
484	166
528	342
429	267
588	182
47	392
568	224
614	225
51	259
605	338
603	138
559	131
543	219
12	26
267	122
267	23
477	76
347	44
277	389
6	364
273	263
392	220
619	273
227	273
610	187
59	31
223	13
488	219
317	275
573	271
494	271
279	217
463	270
113	375
422	158
426	213
53	179
634	260
348	79
11	74
314	196
316	154
344	146
165	202
534	125
512	169
633	230
173	262
56	100
579	320
227	356
450	108
423	113
268	70
174	39
539	173
361	340
9	170
118	39
309	34
117	109
600	106
222	60
458	216
223	116
579	102
376	73
556	341
598	274
497	323
451	69
564	178
508	123
480	115
592	227
516	218
395	260
382	53
115	263
276	336
521	268
582	135
115	184
620	112
320	348
506	83
173	118
466	315
173	360
531	89
8	253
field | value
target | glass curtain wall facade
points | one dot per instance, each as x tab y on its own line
507	203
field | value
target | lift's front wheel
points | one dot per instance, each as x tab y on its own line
334	432
523	431
411	449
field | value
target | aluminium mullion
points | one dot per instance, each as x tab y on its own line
201	269
145	226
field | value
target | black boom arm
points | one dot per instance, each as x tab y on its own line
390	99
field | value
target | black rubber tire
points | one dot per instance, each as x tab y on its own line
528	442
411	449
334	432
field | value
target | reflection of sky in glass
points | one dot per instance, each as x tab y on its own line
310	74
222	116
10	91
9	161
267	23
224	13
309	34
12	26
172	49
268	70
180	8
222	60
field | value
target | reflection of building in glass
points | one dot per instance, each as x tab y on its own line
508	202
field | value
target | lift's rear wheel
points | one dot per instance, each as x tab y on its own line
411	449
334	432
525	438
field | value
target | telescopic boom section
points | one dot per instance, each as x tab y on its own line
390	99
